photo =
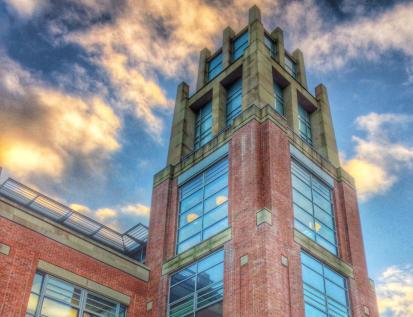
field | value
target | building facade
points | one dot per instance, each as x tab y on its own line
252	216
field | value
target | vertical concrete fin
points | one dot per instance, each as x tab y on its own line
299	58
324	130
226	46
202	68
176	142
278	36
254	14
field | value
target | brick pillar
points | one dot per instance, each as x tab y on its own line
299	58
202	68
361	291
161	243
322	127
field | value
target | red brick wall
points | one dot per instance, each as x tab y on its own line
259	177
28	247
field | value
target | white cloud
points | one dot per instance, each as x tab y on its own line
329	47
119	218
380	157
26	8
45	130
395	292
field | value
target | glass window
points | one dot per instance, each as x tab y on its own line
290	66
279	98
215	66
53	297
270	44
203	125
234	101
325	291
239	45
304	124
198	290
203	206
313	208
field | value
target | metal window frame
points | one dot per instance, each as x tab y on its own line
306	121
325	278
279	99
204	184
230	116
314	219
199	120
210	70
196	309
82	301
243	46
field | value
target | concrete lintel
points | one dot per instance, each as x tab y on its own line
61	234
323	255
83	282
197	252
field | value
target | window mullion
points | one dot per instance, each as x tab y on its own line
41	295
82	302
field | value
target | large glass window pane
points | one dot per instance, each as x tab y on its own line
290	66
234	101
304	125
239	45
313	208
52	308
215	66
203	212
322	295
62	299
203	125
211	311
206	285
279	98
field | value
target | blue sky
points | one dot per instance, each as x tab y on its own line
87	91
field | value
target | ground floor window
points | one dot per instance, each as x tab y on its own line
52	297
325	291
198	289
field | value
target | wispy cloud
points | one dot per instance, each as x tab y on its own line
364	37
45	130
395	292
119	217
380	156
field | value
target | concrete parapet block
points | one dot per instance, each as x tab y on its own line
176	142
324	126
278	35
227	37
202	68
299	58
254	14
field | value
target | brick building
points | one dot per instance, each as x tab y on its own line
253	215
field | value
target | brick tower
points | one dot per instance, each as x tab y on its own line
253	215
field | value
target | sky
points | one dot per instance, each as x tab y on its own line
87	90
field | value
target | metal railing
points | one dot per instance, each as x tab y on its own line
131	243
